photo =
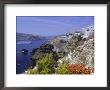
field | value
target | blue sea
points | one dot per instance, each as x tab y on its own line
23	61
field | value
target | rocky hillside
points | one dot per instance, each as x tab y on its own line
79	46
72	53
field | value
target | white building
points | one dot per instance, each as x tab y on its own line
88	31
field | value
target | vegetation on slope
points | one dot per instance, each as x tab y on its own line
69	54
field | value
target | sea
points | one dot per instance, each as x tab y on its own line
23	61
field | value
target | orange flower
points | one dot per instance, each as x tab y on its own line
79	69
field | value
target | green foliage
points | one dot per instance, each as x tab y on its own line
45	71
46	48
45	59
38	53
45	64
62	68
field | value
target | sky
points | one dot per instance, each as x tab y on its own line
52	25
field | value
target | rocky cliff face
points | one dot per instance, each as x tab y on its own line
79	47
83	54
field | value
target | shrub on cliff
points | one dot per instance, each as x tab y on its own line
62	68
45	64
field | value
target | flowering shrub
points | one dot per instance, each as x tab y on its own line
79	69
63	68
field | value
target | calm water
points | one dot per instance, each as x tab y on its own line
24	61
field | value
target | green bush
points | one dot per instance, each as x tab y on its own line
45	59
45	64
62	68
45	71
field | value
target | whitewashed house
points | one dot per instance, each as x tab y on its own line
87	31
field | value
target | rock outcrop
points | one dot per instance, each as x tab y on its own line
78	46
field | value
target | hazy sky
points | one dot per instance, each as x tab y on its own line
51	25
